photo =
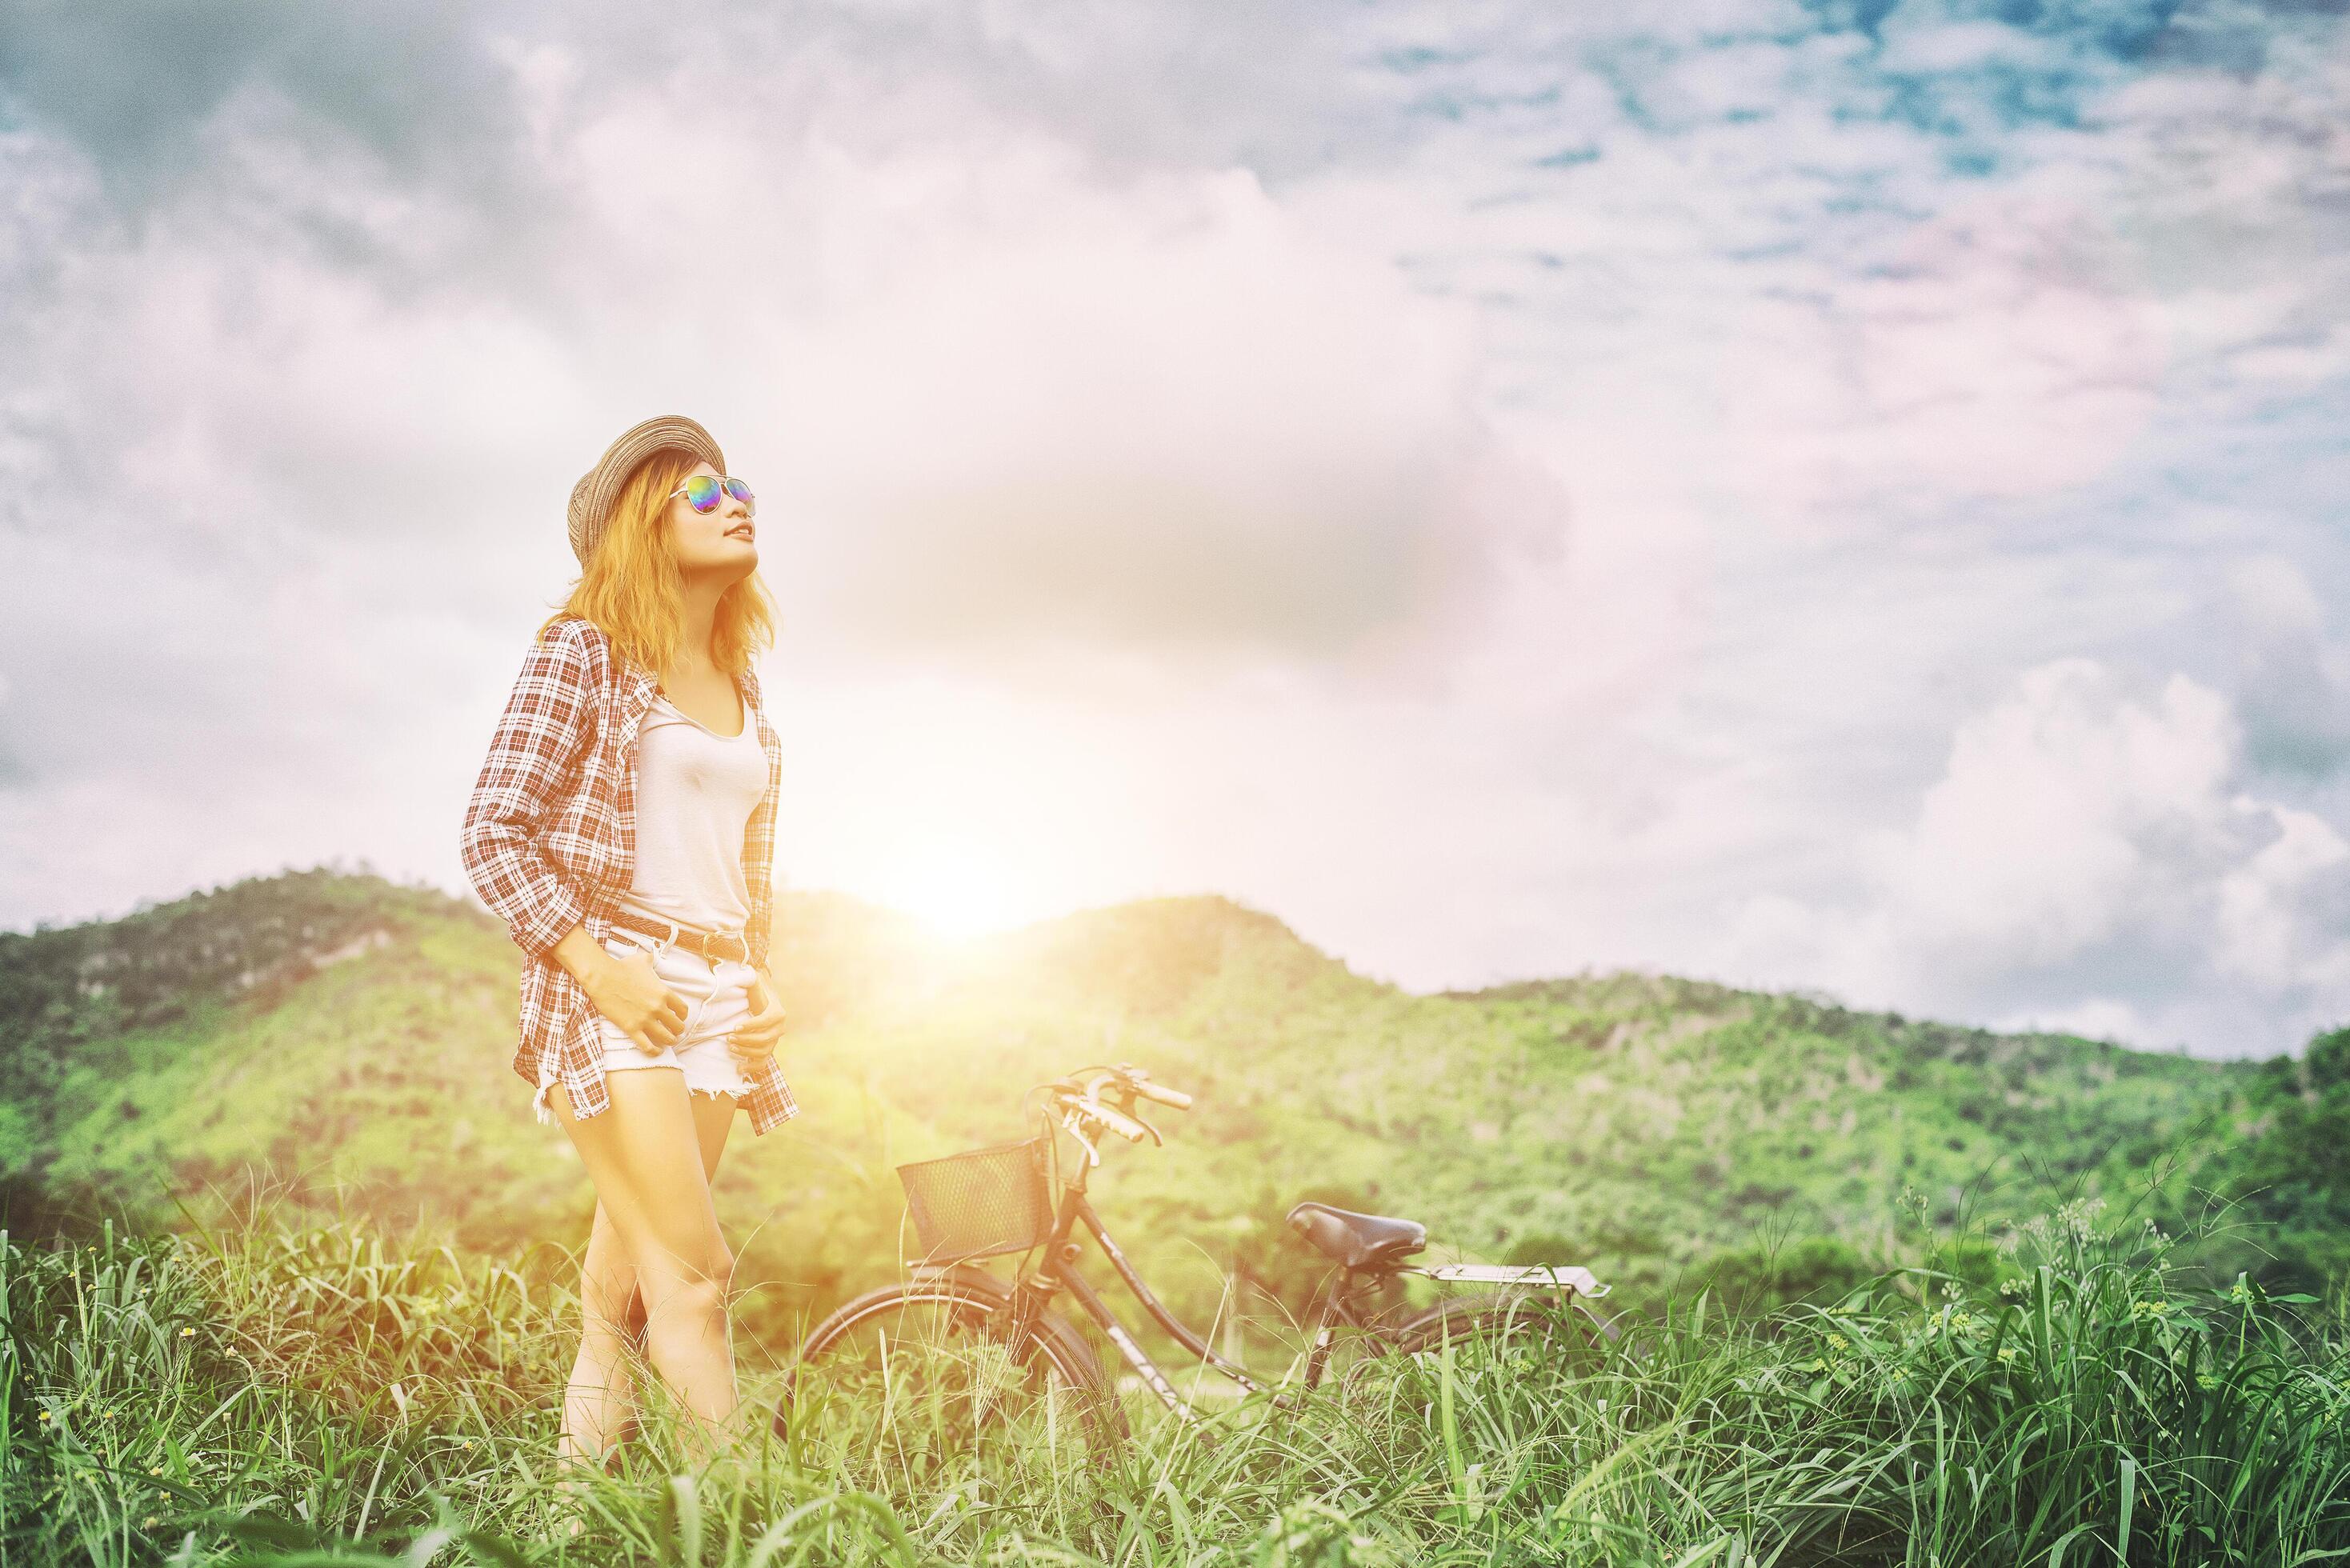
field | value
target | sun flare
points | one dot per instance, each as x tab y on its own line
957	892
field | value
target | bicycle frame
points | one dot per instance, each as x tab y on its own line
1058	1271
1341	1301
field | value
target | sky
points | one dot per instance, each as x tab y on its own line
1846	497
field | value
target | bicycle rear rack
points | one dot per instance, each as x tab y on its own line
1557	1276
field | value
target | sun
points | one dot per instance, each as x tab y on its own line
959	892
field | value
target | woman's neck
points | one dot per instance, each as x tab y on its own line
697	621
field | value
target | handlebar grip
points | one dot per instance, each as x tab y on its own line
1164	1095
1118	1122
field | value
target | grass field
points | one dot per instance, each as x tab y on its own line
282	1388
1854	1343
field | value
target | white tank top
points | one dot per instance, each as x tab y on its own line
695	793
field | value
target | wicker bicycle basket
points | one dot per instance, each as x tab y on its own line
980	1202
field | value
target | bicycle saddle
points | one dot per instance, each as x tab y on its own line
1358	1241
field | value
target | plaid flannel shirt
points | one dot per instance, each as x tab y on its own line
549	843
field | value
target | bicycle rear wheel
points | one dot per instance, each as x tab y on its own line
941	1366
1532	1332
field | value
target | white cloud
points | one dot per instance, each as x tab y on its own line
1928	47
1165	414
1171	434
2062	807
2083	829
2279	912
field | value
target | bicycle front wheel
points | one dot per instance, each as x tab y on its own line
941	1365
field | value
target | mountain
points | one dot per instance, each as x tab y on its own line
356	1034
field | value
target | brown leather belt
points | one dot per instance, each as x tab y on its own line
711	945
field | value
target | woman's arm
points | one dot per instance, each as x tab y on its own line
758	874
755	1041
758	877
540	732
628	990
585	957
756	1038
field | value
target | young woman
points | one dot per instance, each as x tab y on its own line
623	827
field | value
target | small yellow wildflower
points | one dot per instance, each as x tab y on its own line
187	1333
2006	1353
152	1521
154	1470
45	1415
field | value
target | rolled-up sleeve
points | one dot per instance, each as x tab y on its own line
540	732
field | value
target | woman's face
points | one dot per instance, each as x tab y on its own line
721	542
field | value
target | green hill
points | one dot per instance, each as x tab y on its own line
356	1034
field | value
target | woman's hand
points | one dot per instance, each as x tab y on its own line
753	1045
628	989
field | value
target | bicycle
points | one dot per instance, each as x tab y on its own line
961	1346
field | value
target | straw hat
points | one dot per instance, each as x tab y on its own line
599	487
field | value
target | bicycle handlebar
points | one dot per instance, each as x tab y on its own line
1118	1122
1081	1094
1135	1081
1164	1095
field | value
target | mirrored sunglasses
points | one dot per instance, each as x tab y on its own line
702	490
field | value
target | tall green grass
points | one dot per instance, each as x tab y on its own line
290	1391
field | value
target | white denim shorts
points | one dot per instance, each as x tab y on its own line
717	996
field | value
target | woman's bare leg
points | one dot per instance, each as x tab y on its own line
644	1155
600	1406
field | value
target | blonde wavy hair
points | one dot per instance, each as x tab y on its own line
634	592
